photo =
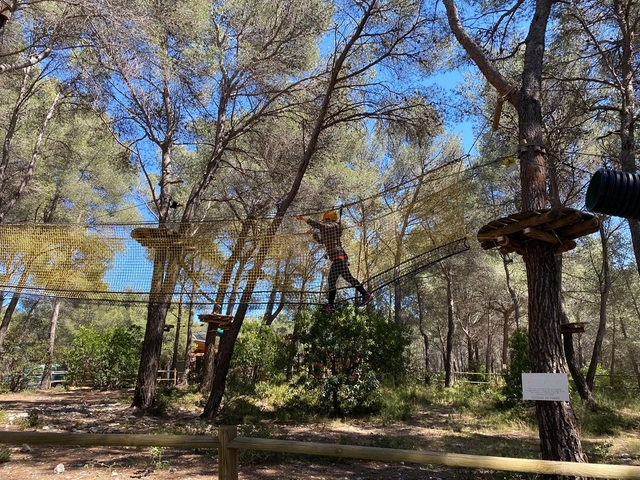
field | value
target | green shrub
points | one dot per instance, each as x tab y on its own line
259	355
5	454
519	362
34	419
347	354
106	359
155	456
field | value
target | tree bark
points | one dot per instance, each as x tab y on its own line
6	319
451	330
628	108
45	381
166	269
605	288
612	364
184	379
633	358
424	335
176	339
512	292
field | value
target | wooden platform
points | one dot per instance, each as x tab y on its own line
217	319
158	238
570	328
558	226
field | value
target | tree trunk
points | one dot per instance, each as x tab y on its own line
633	358
558	431
557	424
612	365
208	361
397	302
451	329
506	316
605	288
45	381
165	275
6	319
512	295
425	337
488	359
176	340
628	109
184	379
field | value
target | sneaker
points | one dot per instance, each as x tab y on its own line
366	299
328	308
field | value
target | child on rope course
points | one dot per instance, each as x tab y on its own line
328	233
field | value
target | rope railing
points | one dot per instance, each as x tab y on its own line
228	444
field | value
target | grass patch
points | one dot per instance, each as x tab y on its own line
188	428
5	454
240	410
171	398
615	414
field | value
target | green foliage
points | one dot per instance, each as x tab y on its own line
176	397
23	374
604	381
5	454
295	401
519	362
617	412
603	422
348	353
104	359
155	454
241	409
165	397
398	404
599	452
34	420
260	355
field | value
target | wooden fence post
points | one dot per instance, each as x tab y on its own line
227	457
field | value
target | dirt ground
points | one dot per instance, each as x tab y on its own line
84	411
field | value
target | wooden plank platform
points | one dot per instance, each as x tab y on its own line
157	237
165	238
557	226
219	320
577	327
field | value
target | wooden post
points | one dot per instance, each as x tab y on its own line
227	457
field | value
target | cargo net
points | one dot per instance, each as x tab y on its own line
260	261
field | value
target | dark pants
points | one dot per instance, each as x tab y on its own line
340	268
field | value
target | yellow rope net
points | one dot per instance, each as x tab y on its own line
388	237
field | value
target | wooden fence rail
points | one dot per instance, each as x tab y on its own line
228	445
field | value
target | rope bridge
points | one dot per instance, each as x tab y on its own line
217	259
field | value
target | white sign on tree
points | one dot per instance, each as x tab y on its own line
552	387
